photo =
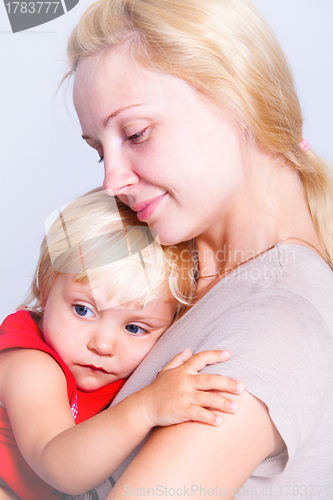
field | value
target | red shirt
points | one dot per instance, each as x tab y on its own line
20	330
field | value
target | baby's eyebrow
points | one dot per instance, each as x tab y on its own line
154	321
80	294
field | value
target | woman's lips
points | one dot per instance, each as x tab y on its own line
146	208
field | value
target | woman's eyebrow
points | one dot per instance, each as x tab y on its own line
115	113
112	115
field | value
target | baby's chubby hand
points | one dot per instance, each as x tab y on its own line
180	393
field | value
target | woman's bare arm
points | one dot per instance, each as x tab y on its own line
190	455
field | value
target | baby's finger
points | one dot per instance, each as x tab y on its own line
213	382
214	401
180	359
198	414
199	360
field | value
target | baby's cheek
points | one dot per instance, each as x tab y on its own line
138	357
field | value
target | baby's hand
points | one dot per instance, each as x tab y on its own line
180	393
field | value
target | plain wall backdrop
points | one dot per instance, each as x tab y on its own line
44	163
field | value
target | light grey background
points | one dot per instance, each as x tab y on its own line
44	163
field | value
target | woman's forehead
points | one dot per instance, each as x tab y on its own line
114	68
106	84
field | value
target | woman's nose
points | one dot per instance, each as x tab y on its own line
119	176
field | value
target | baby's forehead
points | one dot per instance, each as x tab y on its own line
166	300
127	281
144	301
144	308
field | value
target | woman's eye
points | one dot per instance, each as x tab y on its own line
83	311
138	137
135	330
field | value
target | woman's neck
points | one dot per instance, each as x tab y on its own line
269	208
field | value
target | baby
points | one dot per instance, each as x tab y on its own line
103	293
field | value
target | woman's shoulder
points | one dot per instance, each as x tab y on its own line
304	272
280	332
285	284
275	316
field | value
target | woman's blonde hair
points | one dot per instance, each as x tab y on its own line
226	50
101	241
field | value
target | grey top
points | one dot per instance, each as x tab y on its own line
275	314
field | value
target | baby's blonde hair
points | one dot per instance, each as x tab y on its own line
228	52
98	238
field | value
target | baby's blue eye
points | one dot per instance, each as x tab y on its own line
135	329
83	311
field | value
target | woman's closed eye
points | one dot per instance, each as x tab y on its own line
83	311
134	138
135	329
100	152
139	136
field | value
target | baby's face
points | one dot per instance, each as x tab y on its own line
100	346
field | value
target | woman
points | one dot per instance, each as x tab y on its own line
192	108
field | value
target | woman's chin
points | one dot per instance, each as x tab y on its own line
169	237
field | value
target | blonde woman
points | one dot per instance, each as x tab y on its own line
191	106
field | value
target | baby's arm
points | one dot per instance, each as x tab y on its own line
6	493
74	458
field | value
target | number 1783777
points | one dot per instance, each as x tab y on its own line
32	7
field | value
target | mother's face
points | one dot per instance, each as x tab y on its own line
167	154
